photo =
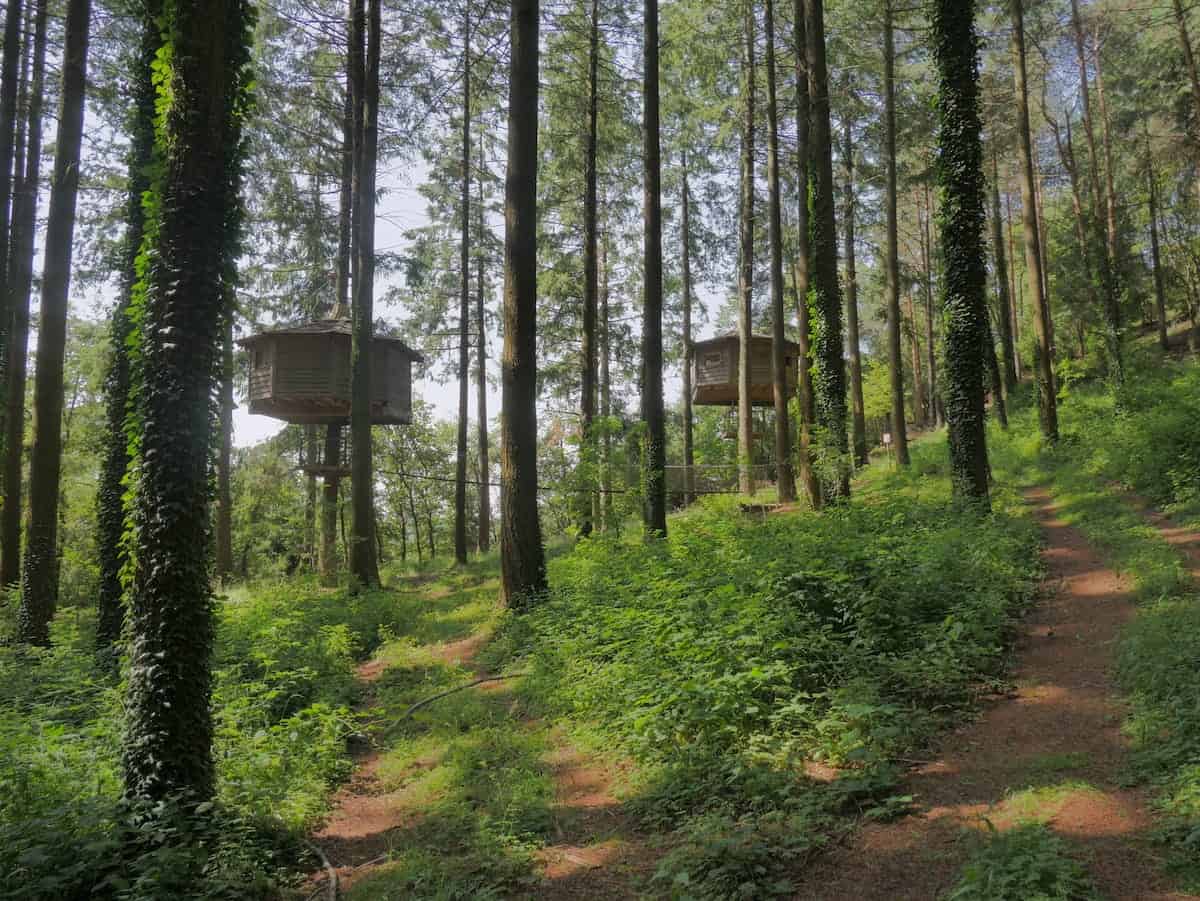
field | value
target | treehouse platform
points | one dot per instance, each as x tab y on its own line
715	370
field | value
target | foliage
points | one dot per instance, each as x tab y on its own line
1027	863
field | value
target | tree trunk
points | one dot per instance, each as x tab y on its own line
857	404
606	479
960	177
1014	289
169	729
892	259
1066	154
523	562
1188	56
935	410
997	379
745	288
914	340
485	492
39	585
779	369
9	76
829	367
364	568
312	456
224	529
1047	402
1116	327
412	512
590	264
1003	306
655	512
689	353
801	265
464	310
20	267
1160	297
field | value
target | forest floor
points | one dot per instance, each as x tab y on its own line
1055	751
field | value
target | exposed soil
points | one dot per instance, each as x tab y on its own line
1059	731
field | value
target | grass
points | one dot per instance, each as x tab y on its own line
1028	863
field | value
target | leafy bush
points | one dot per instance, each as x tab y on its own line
1028	863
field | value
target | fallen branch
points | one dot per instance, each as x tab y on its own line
450	691
332	887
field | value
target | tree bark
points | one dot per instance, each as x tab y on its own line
169	728
1160	295
785	480
1014	289
745	409
962	214
20	268
590	264
935	409
1004	305
485	493
1047	402
914	340
655	511
829	376
1188	55
464	309
857	403
1116	327
364	567
523	564
606	479
9	76
39	584
689	353
892	259
801	265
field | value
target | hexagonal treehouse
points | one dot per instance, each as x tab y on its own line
715	370
301	374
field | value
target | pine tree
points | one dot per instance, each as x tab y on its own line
892	260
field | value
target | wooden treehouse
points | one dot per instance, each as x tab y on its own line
715	370
301	374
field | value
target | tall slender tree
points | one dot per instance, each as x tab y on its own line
783	430
20	268
857	403
892	252
9	78
485	493
523	562
655	512
39	583
689	352
202	97
1047	402
1003	305
745	408
591	253
829	364
364	562
1160	294
464	308
960	177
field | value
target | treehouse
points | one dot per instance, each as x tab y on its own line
715	370
301	374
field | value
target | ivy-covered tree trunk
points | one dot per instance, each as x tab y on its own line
891	254
202	97
39	577
20	268
464	309
745	287
1047	401
587	392
801	265
829	364
960	177
857	403
225	404
783	430
654	514
364	564
522	557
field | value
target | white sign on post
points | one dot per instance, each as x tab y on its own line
887	438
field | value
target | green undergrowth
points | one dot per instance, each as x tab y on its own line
285	697
1150	445
1027	863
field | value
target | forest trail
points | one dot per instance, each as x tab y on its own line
1052	752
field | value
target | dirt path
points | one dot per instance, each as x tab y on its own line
1051	753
